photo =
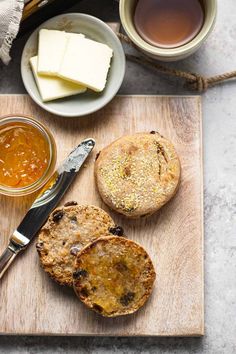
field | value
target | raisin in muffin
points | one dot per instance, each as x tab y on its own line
113	276
137	174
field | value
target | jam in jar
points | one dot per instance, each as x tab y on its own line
27	155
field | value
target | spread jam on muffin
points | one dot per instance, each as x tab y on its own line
113	276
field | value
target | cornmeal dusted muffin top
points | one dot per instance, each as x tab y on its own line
137	174
66	232
113	276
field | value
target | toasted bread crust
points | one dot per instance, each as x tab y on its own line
113	276
137	174
67	230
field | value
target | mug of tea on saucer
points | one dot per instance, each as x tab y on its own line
168	30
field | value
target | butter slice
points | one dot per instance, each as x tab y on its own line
52	44
86	62
52	88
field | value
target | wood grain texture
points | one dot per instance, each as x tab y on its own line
31	303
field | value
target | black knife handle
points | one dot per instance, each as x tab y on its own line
6	259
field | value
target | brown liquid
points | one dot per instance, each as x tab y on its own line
168	23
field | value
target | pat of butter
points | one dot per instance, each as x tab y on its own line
52	88
52	44
86	62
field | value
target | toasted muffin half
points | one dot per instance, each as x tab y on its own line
137	174
113	276
66	232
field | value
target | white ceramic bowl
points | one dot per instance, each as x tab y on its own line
89	102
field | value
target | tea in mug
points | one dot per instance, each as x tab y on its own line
168	23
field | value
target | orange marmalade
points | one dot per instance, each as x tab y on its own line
24	154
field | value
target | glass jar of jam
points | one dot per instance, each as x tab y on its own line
27	155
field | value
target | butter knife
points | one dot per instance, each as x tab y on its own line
45	202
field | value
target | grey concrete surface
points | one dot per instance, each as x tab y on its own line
219	129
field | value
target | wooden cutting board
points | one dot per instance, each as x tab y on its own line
31	303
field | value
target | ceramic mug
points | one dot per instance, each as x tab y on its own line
127	8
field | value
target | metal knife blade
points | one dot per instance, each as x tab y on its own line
46	201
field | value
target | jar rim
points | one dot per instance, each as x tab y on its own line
33	187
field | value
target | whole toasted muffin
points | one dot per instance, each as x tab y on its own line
66	232
113	276
137	174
